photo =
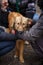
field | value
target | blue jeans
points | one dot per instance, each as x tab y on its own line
7	42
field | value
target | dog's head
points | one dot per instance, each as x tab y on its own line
18	21
21	23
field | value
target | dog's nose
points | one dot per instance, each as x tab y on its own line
20	32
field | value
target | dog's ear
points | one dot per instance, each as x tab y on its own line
11	20
29	21
14	26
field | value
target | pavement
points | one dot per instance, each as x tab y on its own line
30	57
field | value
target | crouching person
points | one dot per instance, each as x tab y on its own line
7	42
35	34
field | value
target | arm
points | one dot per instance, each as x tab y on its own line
34	33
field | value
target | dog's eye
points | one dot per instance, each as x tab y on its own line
23	23
18	23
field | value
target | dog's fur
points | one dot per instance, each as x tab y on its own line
19	22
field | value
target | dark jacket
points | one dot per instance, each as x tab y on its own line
3	18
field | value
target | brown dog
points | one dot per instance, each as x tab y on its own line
20	23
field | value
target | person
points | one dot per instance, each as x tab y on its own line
35	34
7	42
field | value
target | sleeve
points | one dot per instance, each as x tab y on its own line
7	36
34	33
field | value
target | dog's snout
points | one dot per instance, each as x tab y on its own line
20	28
20	32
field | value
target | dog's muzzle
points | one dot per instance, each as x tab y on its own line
20	32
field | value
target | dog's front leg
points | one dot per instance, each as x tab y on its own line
17	49
21	51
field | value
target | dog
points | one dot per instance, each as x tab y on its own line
18	22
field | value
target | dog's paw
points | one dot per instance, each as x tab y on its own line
15	56
26	42
21	60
